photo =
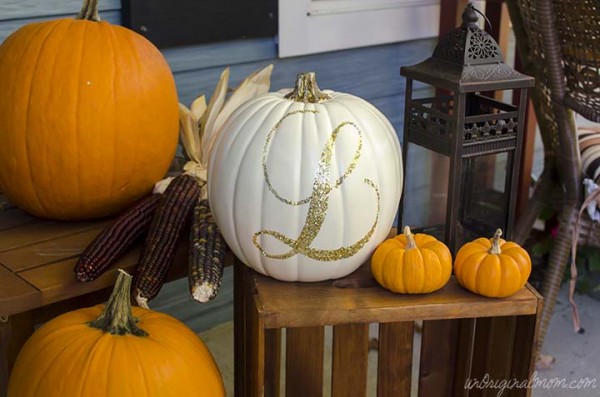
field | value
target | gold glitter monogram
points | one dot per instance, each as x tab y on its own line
318	201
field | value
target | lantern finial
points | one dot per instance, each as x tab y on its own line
469	17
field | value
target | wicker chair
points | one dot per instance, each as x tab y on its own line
559	43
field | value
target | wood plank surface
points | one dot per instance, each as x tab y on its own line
35	255
42	231
4	342
394	367
272	362
438	356
57	281
350	360
255	339
14	217
464	355
304	361
16	295
311	304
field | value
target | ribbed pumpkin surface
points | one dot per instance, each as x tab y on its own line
88	118
422	268
67	358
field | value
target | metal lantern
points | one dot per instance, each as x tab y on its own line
466	131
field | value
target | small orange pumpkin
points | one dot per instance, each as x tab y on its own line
412	264
89	117
492	267
106	351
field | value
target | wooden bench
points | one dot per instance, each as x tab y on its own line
37	281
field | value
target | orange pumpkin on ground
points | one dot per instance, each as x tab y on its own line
89	117
492	267
412	264
105	351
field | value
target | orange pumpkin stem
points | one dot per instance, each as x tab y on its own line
117	318
307	90
495	249
410	238
89	11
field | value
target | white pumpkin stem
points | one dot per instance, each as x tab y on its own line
117	318
307	90
410	238
89	11
495	249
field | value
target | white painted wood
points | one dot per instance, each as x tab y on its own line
20	9
302	32
8	27
322	7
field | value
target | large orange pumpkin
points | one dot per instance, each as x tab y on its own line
88	117
104	351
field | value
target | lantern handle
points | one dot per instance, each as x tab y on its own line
471	6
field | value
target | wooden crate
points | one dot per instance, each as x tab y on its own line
464	336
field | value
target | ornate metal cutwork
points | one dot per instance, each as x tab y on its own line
452	47
481	48
492	129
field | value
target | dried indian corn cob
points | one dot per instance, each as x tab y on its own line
114	240
207	254
171	216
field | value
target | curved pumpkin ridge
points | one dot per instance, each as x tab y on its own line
463	254
511	276
422	239
380	256
34	198
391	276
433	271
523	261
413	271
470	267
250	116
245	113
489	276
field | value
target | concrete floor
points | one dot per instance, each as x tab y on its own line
577	356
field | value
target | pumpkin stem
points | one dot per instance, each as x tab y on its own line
495	249
89	11
410	238
117	318
307	90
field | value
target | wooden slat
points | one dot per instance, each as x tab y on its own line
438	355
57	281
361	79
9	26
32	256
13	218
394	368
523	357
4	342
221	54
350	360
19	9
241	295
464	356
255	336
481	348
304	361
272	362
289	304
16	295
42	231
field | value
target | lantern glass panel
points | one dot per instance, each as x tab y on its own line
485	196
425	191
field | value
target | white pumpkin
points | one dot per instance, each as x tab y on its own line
304	186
